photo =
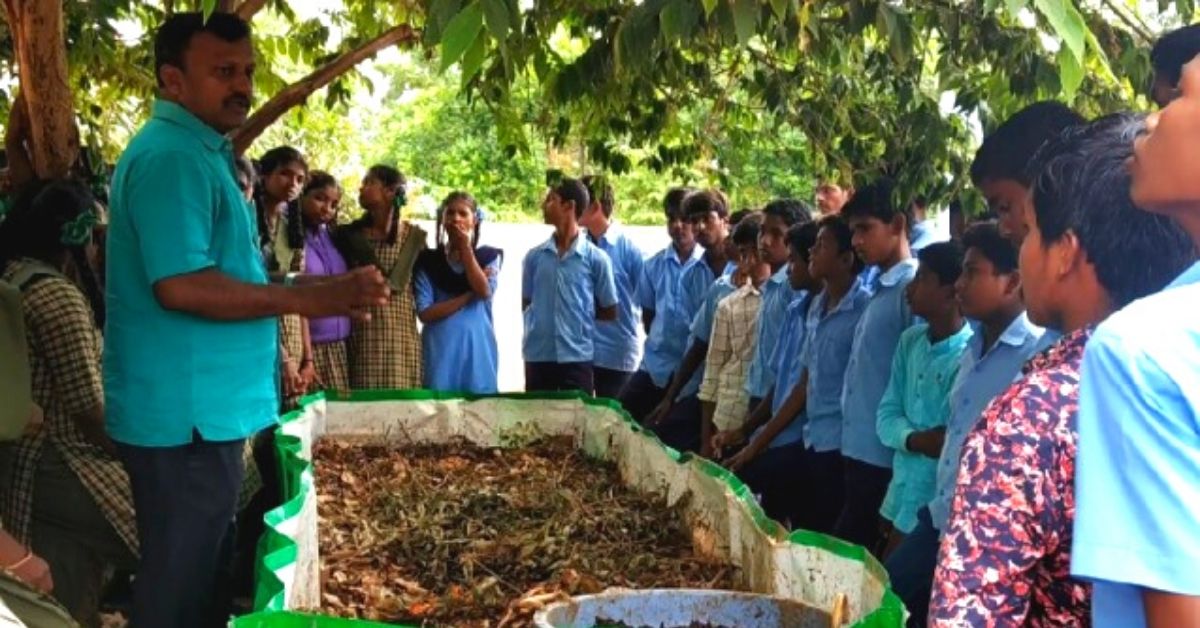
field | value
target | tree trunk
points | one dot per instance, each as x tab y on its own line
299	91
41	54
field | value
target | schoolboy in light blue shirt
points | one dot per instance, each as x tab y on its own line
617	350
658	294
708	213
917	399
567	285
829	334
1138	474
880	238
778	216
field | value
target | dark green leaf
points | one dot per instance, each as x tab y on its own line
440	14
709	6
745	18
780	7
679	19
461	33
473	59
495	15
1070	73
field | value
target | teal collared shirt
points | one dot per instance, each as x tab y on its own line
176	209
917	398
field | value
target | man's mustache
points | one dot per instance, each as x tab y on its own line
238	99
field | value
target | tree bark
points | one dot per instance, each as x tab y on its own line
299	91
41	54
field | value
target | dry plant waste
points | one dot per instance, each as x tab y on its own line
456	535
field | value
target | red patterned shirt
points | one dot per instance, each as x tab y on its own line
1005	557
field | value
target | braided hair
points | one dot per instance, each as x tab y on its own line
390	178
50	219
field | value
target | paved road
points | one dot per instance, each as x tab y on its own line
516	240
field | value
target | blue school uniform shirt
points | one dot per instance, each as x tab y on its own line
563	295
659	291
917	399
826	355
886	316
922	235
777	294
694	283
617	341
1137	480
786	359
702	326
459	351
981	377
177	209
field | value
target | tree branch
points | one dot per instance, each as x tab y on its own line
299	91
248	8
1135	25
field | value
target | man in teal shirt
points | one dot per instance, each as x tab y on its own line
190	361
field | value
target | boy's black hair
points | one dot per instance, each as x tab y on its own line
176	32
1083	187
573	191
943	259
840	228
1000	251
705	201
599	190
746	231
1173	50
673	201
1005	152
801	237
739	216
877	200
789	210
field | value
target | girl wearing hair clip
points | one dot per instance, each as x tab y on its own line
384	351
454	284
69	499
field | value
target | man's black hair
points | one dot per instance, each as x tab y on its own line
801	237
840	228
1083	187
1173	50
176	33
1000	251
573	191
705	201
673	201
878	200
943	259
1006	152
599	189
746	231
789	210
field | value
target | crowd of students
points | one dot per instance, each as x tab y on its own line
1006	418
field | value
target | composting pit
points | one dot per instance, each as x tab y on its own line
453	534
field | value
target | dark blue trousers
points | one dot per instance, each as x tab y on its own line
681	428
859	522
640	395
911	567
777	476
559	376
185	498
610	382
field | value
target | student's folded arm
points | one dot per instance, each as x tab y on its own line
429	311
477	277
605	288
891	423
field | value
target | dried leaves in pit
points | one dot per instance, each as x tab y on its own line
457	535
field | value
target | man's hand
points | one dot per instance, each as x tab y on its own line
350	294
928	443
36	418
727	440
